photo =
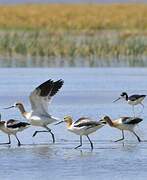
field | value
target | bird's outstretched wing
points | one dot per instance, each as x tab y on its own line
42	95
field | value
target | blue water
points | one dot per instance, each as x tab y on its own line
86	92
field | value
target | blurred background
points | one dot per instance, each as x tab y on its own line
79	33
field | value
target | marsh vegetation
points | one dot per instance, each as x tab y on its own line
60	31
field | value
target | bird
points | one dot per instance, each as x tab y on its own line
124	123
40	98
11	127
132	100
82	127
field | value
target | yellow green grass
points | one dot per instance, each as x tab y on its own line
74	30
55	17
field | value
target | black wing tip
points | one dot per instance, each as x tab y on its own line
50	87
136	120
56	87
60	81
48	82
51	82
139	119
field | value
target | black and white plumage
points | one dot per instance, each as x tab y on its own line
40	99
124	123
132	100
83	127
12	127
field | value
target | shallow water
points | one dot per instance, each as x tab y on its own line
86	92
46	62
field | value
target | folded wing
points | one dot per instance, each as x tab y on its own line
86	122
131	120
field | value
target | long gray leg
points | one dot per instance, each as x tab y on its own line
18	140
80	143
133	110
48	130
90	142
142	107
121	138
138	138
38	132
9	142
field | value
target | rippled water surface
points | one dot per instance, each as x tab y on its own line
86	92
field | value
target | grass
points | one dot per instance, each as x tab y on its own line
67	45
71	31
64	17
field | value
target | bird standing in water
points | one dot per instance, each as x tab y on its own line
132	100
40	99
82	127
124	123
12	127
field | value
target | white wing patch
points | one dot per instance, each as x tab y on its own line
39	104
41	96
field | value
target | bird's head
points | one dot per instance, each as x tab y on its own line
123	95
18	104
15	105
67	119
102	121
108	120
2	123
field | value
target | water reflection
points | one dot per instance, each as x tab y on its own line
29	61
43	151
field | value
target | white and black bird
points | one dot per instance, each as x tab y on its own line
12	127
82	127
132	100
124	123
40	99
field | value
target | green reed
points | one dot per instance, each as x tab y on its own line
72	45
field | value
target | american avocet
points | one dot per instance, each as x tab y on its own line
124	123
83	127
11	127
132	100
39	100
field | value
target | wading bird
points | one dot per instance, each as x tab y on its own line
12	127
124	123
83	127
40	99
132	100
